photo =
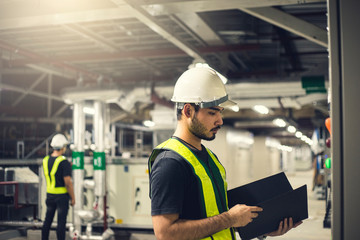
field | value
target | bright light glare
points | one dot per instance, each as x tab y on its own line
235	108
261	109
89	110
222	77
291	129
279	122
285	148
148	123
298	134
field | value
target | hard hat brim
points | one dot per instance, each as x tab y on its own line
224	102
228	104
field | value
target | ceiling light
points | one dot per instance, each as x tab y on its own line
89	110
279	122
298	134
235	108
291	129
148	123
303	137
261	109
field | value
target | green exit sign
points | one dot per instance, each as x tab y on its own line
313	84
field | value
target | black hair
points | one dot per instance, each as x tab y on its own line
180	108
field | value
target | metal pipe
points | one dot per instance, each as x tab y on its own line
78	160
32	55
99	154
101	125
28	224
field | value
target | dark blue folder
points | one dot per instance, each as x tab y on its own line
278	200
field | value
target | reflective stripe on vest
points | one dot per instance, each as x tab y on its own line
208	192
50	178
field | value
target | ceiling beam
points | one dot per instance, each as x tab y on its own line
60	111
49	92
52	70
94	37
75	70
157	8
34	13
290	23
56	16
193	24
54	120
152	53
8	87
160	29
32	86
106	44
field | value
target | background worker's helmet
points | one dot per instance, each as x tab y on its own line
201	86
59	141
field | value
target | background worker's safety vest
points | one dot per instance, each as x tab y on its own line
50	178
211	179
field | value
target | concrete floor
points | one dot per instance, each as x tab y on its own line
310	229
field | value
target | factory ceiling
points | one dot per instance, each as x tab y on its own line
266	48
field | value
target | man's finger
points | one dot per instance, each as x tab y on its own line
281	226
297	224
256	209
291	223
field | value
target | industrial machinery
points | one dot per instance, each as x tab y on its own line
19	188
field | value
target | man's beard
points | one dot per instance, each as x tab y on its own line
199	130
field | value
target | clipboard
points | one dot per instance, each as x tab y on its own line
277	198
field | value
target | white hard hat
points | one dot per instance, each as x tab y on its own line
201	86
59	141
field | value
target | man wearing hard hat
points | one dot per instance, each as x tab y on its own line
187	181
59	187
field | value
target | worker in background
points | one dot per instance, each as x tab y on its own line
188	188
59	187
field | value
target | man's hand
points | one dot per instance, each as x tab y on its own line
242	214
72	202
284	227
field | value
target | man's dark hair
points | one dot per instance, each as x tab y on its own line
179	109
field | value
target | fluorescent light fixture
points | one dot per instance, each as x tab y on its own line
303	138
261	109
89	110
148	123
279	122
298	134
235	108
291	129
285	148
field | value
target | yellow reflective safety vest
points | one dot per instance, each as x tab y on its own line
212	182
50	177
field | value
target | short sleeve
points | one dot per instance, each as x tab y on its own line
167	184
66	168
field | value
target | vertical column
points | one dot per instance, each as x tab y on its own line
78	160
99	153
261	166
344	39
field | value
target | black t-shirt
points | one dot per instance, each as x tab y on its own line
174	186
64	169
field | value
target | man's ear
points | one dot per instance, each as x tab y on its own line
187	110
